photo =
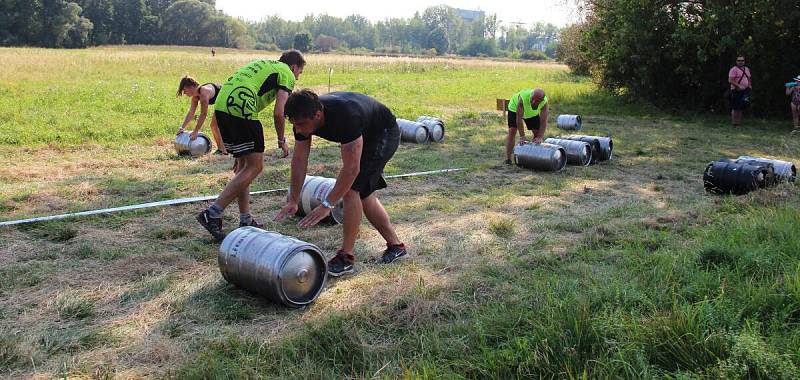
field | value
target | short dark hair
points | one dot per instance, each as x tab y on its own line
302	104
186	81
292	57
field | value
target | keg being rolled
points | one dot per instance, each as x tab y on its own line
569	122
729	177
412	131
578	152
606	144
770	178
315	190
184	146
544	156
280	268
785	171
435	127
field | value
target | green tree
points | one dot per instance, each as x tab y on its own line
302	41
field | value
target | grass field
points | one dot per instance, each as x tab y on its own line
621	270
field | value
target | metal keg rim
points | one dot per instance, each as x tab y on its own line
316	255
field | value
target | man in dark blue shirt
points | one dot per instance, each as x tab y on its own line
368	136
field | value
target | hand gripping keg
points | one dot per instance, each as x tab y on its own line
412	131
544	156
569	122
278	267
316	189
727	176
184	146
435	127
578	152
784	170
606	144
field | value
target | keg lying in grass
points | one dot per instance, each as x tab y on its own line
785	171
280	268
606	145
412	131
544	156
578	152
730	177
184	146
315	190
569	122
435	127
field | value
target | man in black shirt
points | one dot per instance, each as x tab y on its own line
368	133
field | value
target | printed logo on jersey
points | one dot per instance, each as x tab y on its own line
241	101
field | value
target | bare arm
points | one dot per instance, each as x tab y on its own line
790	90
351	161
520	125
539	134
203	99
298	175
280	121
189	115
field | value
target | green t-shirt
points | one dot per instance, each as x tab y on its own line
253	87
528	111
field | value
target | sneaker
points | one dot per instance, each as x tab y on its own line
212	225
507	161
253	223
340	264
393	252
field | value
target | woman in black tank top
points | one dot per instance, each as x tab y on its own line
204	95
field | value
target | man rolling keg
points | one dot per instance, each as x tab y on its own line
530	106
368	136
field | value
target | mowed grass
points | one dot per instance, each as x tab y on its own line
621	270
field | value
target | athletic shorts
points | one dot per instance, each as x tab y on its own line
740	99
531	122
374	156
240	136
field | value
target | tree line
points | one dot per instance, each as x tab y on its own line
436	30
677	54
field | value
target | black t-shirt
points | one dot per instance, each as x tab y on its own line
349	115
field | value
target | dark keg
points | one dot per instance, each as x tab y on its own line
278	267
578	152
606	144
544	156
729	177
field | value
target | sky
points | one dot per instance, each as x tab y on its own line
528	12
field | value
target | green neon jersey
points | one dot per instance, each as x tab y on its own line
253	87
528	111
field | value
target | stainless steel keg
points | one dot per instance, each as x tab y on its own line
184	146
569	122
315	190
435	127
412	131
606	144
578	152
785	171
544	156
278	267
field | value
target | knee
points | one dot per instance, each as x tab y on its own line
352	195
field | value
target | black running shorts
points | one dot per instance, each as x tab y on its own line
374	156
240	136
531	122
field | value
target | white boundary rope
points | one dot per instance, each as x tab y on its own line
178	201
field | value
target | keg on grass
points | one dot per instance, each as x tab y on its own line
544	156
728	176
784	170
184	145
315	190
569	122
770	178
412	131
606	144
578	152
278	267
435	127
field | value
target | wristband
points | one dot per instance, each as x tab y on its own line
282	140
327	204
